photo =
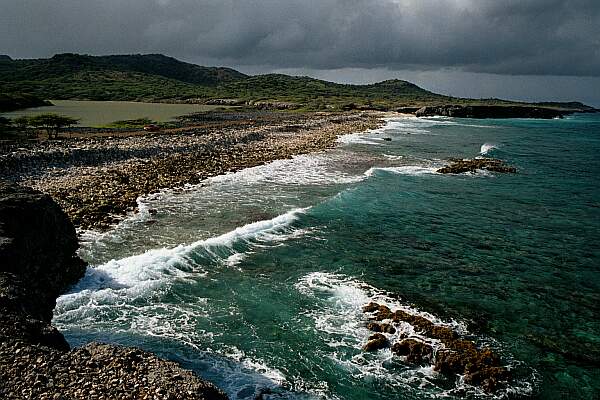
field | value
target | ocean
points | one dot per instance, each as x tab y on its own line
256	279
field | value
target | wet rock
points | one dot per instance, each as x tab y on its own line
487	377
416	352
442	333
458	356
459	166
371	307
480	367
374	327
376	342
386	328
383	312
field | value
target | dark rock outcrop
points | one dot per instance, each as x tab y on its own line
37	249
459	166
480	367
407	110
456	356
483	111
416	351
386	328
376	342
37	263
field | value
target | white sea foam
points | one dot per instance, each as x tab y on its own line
139	275
393	126
360	138
393	157
235	259
246	376
340	318
486	148
413	170
311	169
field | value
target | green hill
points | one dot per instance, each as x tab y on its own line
62	65
155	77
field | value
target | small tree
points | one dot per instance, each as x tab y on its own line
52	123
22	124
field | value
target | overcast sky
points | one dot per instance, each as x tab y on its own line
521	49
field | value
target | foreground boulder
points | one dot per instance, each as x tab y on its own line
37	250
38	262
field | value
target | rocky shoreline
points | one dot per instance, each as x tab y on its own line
97	179
500	111
37	249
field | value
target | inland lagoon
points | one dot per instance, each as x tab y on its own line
102	113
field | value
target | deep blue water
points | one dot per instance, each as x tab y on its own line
256	280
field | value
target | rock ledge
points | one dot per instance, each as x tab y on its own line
37	264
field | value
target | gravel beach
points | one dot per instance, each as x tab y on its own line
97	177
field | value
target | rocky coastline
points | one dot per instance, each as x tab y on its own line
97	178
94	181
498	111
37	250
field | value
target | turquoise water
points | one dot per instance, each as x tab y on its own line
256	279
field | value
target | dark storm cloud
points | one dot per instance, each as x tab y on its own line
553	37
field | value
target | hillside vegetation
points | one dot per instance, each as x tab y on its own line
157	78
16	101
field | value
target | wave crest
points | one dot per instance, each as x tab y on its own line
486	148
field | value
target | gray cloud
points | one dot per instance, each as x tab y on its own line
541	37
